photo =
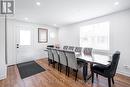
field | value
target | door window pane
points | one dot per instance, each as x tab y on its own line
25	37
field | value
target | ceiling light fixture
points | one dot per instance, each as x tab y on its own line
26	19
38	3
116	3
55	24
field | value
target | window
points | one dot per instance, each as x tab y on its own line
25	37
95	36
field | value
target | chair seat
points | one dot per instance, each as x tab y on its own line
98	68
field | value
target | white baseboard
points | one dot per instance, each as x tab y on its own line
3	72
124	73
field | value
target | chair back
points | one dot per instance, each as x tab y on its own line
50	55
63	58
72	61
114	63
65	47
71	48
87	51
78	49
56	56
50	46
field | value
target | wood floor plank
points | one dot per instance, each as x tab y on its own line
53	78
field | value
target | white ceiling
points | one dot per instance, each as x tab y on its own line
63	12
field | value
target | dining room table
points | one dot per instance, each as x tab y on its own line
90	59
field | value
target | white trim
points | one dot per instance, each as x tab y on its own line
3	73
124	73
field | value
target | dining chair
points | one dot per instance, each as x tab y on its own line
87	51
56	57
107	71
63	59
50	56
50	46
78	49
72	62
65	47
71	48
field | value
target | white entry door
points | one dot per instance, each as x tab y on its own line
24	44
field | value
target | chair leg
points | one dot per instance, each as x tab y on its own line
49	62
60	67
85	71
97	75
92	73
54	64
76	75
109	82
113	80
66	69
92	77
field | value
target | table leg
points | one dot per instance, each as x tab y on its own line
85	71
91	64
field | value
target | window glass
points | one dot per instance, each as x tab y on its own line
25	37
95	36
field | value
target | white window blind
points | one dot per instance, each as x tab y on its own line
95	36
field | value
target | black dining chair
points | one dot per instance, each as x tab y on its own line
50	46
107	71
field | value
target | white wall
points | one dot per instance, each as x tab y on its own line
2	49
38	48
119	36
69	35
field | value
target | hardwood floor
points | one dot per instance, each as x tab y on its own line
53	78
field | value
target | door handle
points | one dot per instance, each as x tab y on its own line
17	45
